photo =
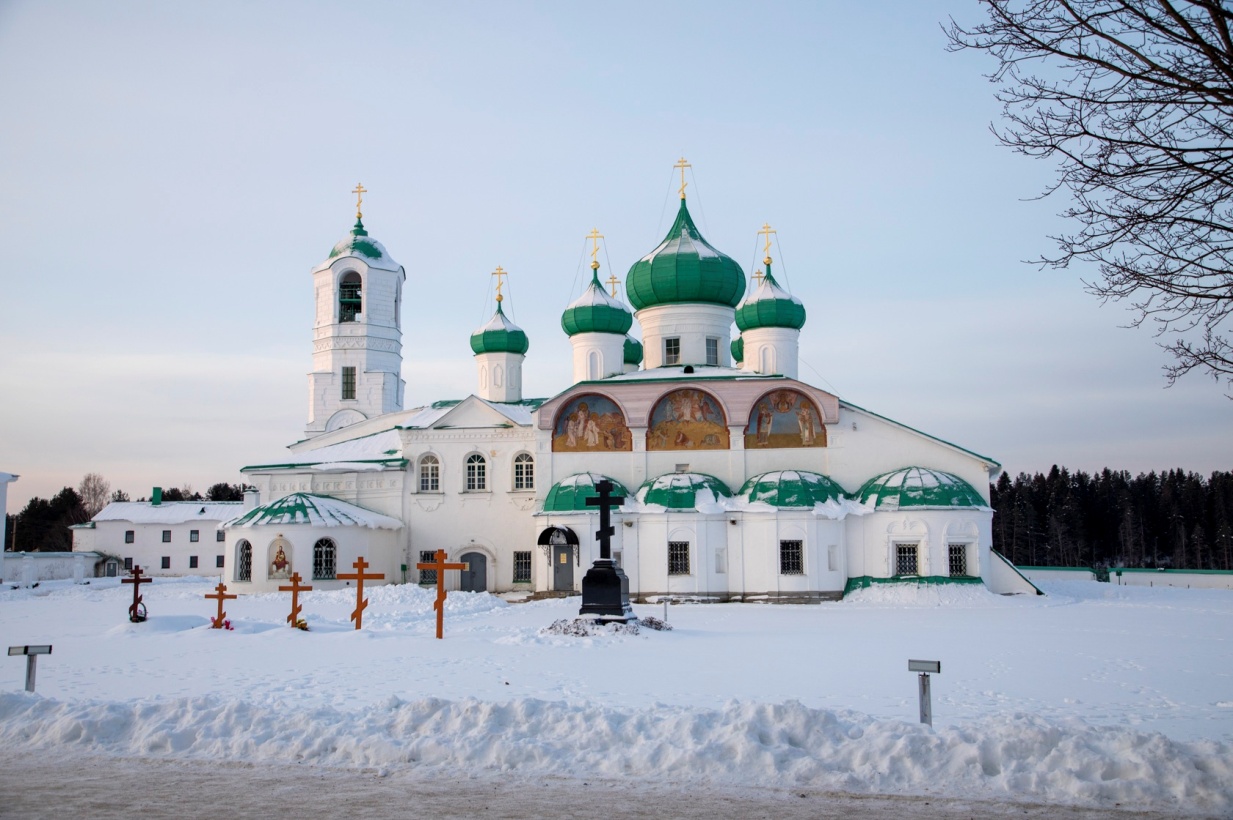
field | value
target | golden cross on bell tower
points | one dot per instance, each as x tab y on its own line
767	231
613	281
594	236
359	192
499	272
682	164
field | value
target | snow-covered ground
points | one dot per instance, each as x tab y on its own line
1095	695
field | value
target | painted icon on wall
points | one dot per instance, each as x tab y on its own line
590	424
687	420
280	560
785	418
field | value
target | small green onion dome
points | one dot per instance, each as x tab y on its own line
792	488
596	312
919	488
684	268
500	335
362	246
681	491
738	349
570	494
633	351
770	306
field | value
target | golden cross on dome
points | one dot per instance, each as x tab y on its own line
359	192
682	164
594	236
767	231
759	275
613	281
499	272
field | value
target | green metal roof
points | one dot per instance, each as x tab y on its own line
921	488
679	491
359	244
770	306
684	268
633	351
596	312
738	350
571	494
792	488
500	335
313	510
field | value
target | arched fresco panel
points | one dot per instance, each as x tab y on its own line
784	418
280	560
687	420
589	424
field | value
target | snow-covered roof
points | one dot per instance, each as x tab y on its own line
678	372
168	512
5	478
919	488
374	452
314	511
360	245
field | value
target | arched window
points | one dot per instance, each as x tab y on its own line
524	472
350	297
766	360
244	561
325	559
594	366
430	475
477	473
498	374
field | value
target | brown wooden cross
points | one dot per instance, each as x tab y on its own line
359	577
221	595
136	581
439	605
295	589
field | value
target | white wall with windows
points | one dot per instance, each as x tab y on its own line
171	538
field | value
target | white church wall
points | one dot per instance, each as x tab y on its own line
155	543
379	548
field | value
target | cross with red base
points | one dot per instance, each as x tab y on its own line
221	595
295	589
359	577
136	581
439	605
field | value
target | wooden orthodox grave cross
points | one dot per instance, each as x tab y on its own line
134	609
439	605
295	589
605	501
359	577
221	595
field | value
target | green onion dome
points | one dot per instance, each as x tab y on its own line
500	335
570	494
738	349
633	351
684	268
596	312
683	491
919	488
362	246
792	488
770	306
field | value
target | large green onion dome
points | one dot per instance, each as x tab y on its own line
684	268
680	491
919	488
570	494
792	488
770	306
362	246
596	312
500	335
633	351
738	349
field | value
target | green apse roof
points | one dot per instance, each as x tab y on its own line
500	335
792	488
679	491
571	494
738	349
770	306
684	268
633	351
920	488
596	312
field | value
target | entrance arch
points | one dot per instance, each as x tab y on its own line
562	544
475	577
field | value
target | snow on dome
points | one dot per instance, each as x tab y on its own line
632	351
685	491
499	335
920	488
596	312
314	511
791	488
770	306
361	246
684	267
570	494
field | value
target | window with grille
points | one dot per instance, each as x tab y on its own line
957	555
219	535
244	561
350	297
348	382
192	562
129	536
678	557
325	560
524	472
166	562
128	563
477	473
672	351
522	567
430	475
791	558
166	536
428	576
712	351
218	561
905	559
194	536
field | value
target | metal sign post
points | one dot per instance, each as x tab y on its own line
926	701
32	654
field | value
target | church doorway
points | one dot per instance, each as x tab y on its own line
475	576
562	545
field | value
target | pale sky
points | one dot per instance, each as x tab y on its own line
172	171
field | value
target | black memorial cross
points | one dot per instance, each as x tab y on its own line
605	587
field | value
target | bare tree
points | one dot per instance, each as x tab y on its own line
94	491
1135	98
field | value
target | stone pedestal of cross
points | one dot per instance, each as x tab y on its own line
221	595
439	605
605	587
295	589
135	613
361	603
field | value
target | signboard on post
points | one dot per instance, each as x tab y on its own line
926	701
32	653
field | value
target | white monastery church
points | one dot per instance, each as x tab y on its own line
741	481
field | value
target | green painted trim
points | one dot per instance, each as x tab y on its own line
852	406
1007	562
866	581
400	463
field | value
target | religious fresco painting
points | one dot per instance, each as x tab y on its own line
785	418
591	424
280	560
687	420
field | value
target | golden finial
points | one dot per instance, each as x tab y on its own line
613	281
359	192
767	231
682	164
499	272
595	236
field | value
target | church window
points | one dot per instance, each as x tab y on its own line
593	366
791	558
522	567
477	473
192	562
958	559
350	297
166	562
428	577
905	559
128	564
712	351
166	536
325	556
129	536
430	475
524	472
194	536
348	382
218	561
678	557
672	350
244	561
766	360
219	535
